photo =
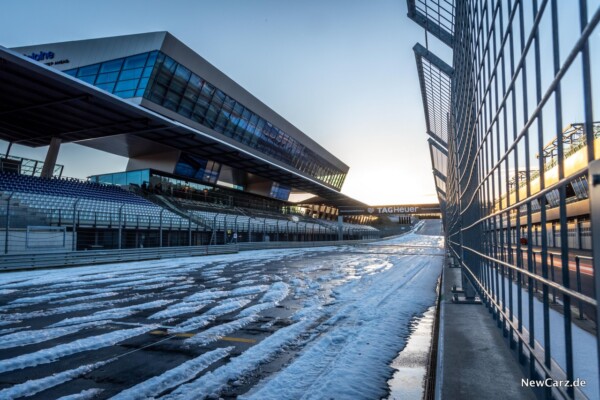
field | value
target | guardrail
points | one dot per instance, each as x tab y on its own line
77	258
294	245
14	262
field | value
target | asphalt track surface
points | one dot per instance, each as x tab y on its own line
94	332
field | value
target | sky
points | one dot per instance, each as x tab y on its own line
342	71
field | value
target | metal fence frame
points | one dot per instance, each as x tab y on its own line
495	127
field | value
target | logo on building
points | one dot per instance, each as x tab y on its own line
41	56
396	210
370	210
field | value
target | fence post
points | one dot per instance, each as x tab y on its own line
7	223
235	229
160	228
120	225
594	180
74	238
189	231
249	229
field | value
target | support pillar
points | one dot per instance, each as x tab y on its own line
51	156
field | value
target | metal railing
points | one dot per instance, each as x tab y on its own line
25	229
521	72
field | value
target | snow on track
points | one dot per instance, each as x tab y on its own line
216	332
351	359
114	313
83	395
52	354
42	335
345	311
32	387
174	377
213	382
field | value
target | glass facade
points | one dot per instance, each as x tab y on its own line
280	192
125	77
198	168
160	79
175	87
123	178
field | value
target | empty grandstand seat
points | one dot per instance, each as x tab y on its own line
92	201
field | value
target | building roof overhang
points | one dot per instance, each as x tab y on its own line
38	103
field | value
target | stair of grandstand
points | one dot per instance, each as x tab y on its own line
170	204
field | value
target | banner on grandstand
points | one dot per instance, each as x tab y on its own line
402	209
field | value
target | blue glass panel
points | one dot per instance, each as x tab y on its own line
207	90
222	122
135	61
228	103
134	177
157	93
109	87
172	100
119	178
88	70
106	179
182	73
143	83
145	175
169	64
126	85
195	81
127	94
185	108
72	72
131	74
109	77
110	66
152	58
219	97
191	93
184	169
147	72
140	92
88	79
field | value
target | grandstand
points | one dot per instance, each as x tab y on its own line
101	216
209	163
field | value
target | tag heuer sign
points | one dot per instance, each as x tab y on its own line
403	209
